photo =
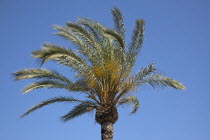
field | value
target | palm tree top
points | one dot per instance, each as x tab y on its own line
103	63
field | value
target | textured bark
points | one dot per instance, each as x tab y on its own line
106	116
106	112
107	131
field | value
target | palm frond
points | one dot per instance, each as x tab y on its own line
54	84
90	51
79	110
136	43
105	39
40	74
133	100
50	101
44	84
144	72
55	52
161	81
118	21
97	31
68	34
81	32
117	37
94	28
63	56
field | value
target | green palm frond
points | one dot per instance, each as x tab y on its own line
144	72
118	38
50	101
63	56
148	76
55	52
157	80
45	84
96	29
90	50
118	21
136	43
53	84
79	110
105	39
77	38
132	100
40	74
81	32
69	35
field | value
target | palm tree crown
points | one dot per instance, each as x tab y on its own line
103	63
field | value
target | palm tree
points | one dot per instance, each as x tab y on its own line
103	64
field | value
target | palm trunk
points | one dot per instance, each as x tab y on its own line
107	131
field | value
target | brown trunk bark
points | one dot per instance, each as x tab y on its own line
107	131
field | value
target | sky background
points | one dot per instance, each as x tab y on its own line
177	39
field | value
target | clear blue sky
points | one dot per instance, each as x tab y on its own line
177	38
